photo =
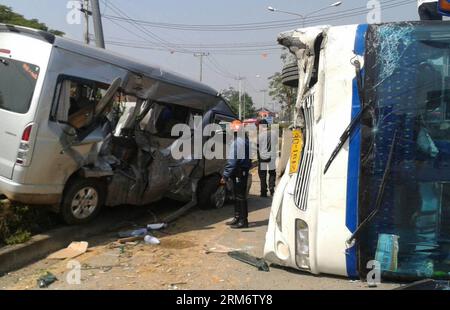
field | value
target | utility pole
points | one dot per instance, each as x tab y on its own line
264	91
98	27
201	55
85	10
241	106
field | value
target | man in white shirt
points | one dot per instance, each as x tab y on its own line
428	10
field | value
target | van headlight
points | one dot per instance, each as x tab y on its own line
302	244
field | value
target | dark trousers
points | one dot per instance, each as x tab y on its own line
240	180
263	169
429	11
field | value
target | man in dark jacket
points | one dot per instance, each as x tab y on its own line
237	169
265	161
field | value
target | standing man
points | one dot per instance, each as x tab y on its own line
237	169
428	10
265	160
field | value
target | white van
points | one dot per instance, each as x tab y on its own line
372	187
60	103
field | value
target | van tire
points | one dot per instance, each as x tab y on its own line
211	195
94	192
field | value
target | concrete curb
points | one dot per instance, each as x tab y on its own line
40	246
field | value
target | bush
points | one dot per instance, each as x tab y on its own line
18	223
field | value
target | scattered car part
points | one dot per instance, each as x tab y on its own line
259	263
46	280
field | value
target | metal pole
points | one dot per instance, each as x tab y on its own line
240	98
98	27
201	55
85	10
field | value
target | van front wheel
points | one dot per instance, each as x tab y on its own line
83	199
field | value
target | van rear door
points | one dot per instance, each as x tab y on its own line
17	83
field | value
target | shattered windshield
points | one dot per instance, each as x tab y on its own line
407	89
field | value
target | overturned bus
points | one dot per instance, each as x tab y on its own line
81	128
372	186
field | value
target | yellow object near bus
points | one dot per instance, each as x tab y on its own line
296	150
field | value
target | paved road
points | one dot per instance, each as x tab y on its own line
180	262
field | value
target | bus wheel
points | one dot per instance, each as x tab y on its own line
82	201
211	195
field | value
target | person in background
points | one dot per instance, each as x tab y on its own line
237	169
265	163
428	10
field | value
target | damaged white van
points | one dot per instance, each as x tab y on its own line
372	187
81	128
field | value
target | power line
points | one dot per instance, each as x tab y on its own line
388	4
150	34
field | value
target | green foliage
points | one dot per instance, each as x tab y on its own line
18	223
8	16
232	96
18	237
284	95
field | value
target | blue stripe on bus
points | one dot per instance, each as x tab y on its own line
351	220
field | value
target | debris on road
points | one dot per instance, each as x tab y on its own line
46	280
220	249
149	239
133	233
157	226
73	250
129	239
251	260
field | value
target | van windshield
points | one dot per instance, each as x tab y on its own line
17	83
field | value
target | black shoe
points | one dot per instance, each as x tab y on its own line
272	193
237	213
234	221
240	224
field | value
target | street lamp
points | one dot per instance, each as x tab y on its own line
336	4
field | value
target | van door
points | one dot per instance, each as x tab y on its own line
17	84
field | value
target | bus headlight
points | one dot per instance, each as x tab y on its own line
302	244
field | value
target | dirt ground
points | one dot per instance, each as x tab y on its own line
181	260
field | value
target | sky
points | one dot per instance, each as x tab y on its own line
221	67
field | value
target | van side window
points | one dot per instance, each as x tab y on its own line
170	116
77	101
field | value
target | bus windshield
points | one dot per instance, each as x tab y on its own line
407	90
17	83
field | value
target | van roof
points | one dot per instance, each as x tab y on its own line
125	62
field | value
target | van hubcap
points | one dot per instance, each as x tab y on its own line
219	197
84	202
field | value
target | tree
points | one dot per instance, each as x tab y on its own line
8	16
232	96
285	96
